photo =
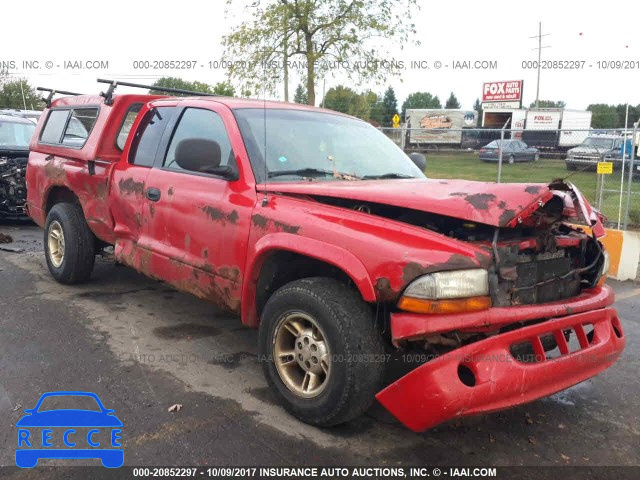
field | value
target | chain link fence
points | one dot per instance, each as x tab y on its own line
602	163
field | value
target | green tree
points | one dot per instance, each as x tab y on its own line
389	107
300	96
225	89
634	115
315	37
175	82
341	99
18	94
604	116
452	102
477	106
366	105
369	108
420	100
549	104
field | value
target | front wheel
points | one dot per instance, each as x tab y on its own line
536	157
511	160
320	351
69	244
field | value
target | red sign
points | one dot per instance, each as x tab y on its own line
510	91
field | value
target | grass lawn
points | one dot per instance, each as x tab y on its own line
467	165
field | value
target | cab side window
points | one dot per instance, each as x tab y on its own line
200	144
147	138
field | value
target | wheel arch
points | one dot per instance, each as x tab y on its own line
282	257
58	194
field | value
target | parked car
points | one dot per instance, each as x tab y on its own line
512	151
32	115
320	232
15	135
598	148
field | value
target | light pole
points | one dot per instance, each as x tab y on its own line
539	48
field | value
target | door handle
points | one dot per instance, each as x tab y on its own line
153	194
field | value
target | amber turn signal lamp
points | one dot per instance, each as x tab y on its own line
455	305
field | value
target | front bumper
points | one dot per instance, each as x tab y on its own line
441	389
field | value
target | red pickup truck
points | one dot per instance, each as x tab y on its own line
315	228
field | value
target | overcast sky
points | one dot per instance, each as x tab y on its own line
122	32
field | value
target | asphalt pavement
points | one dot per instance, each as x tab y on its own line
143	347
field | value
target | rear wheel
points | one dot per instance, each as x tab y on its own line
536	157
511	160
69	245
320	352
571	166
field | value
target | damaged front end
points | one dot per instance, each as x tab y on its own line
13	189
537	321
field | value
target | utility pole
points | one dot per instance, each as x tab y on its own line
539	48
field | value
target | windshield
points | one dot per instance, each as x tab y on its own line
15	135
598	142
319	146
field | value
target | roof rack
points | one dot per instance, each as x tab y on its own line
47	100
108	95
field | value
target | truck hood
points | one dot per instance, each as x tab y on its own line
495	204
589	150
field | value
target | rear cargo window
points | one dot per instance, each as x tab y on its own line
69	127
52	132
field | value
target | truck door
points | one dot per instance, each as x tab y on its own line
198	218
129	186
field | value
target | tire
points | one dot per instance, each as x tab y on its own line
353	348
78	244
536	157
572	166
511	160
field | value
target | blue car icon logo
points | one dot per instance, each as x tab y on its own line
69	433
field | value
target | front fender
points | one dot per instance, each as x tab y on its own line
326	252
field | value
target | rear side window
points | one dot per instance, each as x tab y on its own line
147	137
69	127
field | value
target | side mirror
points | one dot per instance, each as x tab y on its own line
419	159
202	155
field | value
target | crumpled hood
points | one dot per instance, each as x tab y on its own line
495	204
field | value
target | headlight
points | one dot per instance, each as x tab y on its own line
447	292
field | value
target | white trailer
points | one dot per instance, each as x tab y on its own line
575	127
556	129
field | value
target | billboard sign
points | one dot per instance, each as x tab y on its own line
507	91
439	126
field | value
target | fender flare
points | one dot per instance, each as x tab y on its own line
326	252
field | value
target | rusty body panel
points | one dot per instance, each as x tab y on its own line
212	237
